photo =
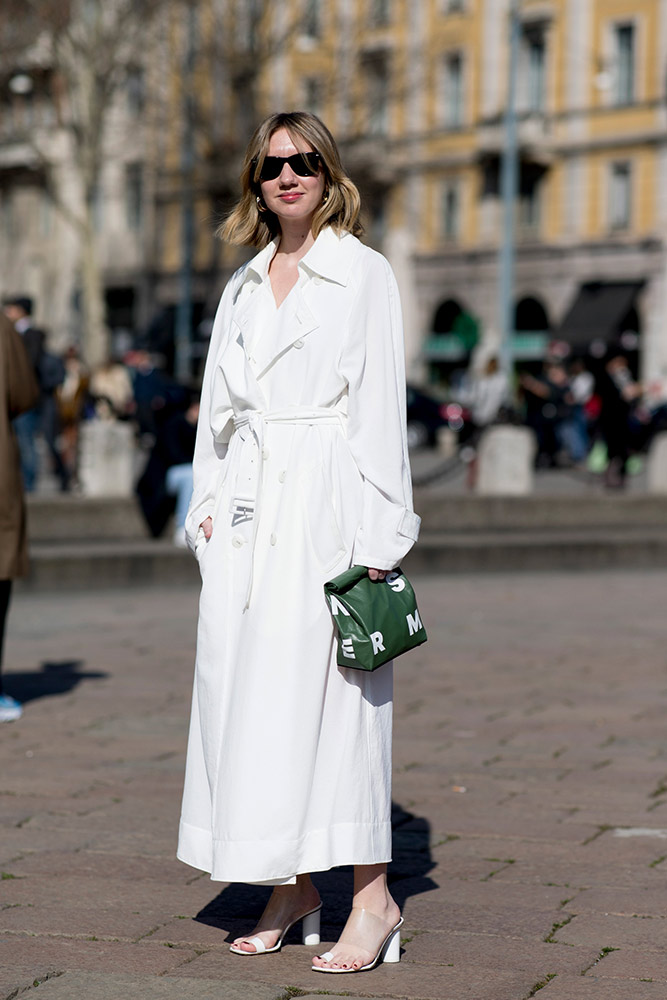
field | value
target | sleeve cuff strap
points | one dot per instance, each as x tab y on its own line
409	525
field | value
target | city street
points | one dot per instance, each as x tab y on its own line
530	802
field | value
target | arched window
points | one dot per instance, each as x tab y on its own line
530	315
446	315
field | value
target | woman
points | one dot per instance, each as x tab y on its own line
300	470
19	393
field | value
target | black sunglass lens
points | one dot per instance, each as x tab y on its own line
303	164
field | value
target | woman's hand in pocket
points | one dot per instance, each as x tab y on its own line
207	527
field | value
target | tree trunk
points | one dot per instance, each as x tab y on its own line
94	334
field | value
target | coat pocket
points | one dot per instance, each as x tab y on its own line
324	537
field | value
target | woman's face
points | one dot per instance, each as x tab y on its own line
290	197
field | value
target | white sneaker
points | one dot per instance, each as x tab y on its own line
10	709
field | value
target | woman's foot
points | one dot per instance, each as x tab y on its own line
364	935
286	905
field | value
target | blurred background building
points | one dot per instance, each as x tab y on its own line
122	125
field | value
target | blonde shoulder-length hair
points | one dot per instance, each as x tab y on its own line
246	225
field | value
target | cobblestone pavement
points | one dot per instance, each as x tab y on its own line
530	803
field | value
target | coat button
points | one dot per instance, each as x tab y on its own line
265	453
282	476
273	539
298	344
237	541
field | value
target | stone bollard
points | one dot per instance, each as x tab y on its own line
106	458
505	459
656	465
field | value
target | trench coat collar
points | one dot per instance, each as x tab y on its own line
327	259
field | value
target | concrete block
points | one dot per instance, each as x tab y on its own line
505	456
106	466
656	465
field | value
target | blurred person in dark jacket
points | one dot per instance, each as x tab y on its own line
19	393
619	395
18	311
167	480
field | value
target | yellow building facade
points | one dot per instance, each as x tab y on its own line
415	91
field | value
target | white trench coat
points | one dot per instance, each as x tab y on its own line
301	460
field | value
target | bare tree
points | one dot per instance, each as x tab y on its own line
89	48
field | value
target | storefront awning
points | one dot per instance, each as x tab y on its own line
599	312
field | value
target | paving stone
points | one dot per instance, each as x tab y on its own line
44	953
629	963
609	931
97	986
495	952
587	988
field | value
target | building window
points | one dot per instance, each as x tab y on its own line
134	195
534	68
380	13
135	91
624	63
454	6
453	90
451	211
620	196
313	95
312	18
530	198
377	81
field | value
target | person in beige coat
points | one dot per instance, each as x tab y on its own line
18	392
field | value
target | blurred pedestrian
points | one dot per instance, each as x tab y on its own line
19	312
111	391
167	478
548	407
19	393
619	394
51	377
573	431
485	393
72	396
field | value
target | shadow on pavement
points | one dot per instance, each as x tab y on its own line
57	677
238	907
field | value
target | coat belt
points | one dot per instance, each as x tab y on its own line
256	421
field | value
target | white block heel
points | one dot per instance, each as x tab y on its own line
310	928
392	949
365	930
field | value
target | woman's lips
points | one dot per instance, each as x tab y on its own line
289	197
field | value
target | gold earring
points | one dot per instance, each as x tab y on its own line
261	207
326	197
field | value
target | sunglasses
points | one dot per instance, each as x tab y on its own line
303	164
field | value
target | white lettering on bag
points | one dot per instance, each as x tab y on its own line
336	606
395	581
378	642
348	648
414	623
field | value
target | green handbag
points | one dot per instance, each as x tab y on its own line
375	621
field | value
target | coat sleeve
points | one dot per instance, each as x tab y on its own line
213	427
373	365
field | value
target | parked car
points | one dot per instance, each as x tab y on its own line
426	415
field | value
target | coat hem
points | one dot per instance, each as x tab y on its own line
280	861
